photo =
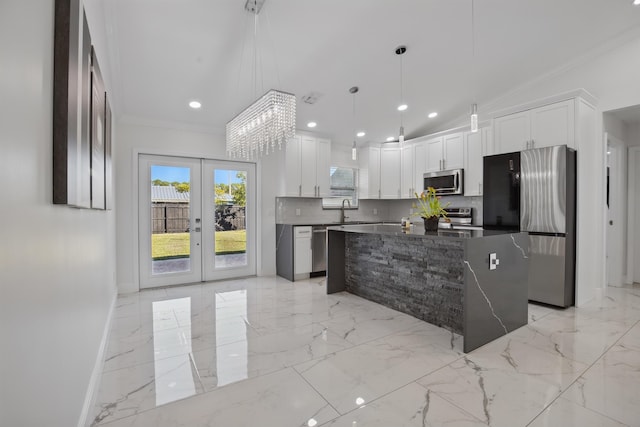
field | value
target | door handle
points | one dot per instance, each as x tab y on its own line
300	190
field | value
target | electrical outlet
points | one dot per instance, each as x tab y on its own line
494	262
375	211
297	211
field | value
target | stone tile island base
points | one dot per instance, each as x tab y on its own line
471	282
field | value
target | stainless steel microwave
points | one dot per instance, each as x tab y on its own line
446	183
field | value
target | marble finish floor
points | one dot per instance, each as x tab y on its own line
266	351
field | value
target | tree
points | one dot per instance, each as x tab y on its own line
160	183
182	187
221	191
239	190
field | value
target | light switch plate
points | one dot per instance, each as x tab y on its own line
375	211
494	262
297	211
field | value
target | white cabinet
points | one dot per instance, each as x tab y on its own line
302	255
390	172
545	126
445	152
307	164
380	172
420	167
412	168
476	146
369	173
434	154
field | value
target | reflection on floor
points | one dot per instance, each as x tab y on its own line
176	265
265	351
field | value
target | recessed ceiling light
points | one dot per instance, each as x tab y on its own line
360	134
402	107
195	105
391	138
432	115
636	2
312	124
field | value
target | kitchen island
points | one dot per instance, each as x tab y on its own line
471	282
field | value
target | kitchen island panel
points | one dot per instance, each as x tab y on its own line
444	278
424	280
495	300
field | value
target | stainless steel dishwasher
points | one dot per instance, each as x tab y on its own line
319	248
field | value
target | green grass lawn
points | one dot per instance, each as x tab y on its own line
174	245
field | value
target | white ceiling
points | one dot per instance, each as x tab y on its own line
164	53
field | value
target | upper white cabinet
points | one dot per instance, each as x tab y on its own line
307	164
476	146
545	126
390	172
380	172
412	167
445	152
369	182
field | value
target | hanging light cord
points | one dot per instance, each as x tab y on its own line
354	117
401	88
473	53
255	52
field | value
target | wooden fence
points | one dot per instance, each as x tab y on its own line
174	218
169	217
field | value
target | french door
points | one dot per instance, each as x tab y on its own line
196	220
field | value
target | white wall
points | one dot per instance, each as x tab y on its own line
633	255
57	269
633	134
613	126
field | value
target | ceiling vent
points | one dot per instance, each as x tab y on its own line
311	98
253	6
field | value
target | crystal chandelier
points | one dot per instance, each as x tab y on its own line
269	121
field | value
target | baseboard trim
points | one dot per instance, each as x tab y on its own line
94	381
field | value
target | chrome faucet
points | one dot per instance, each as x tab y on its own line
342	216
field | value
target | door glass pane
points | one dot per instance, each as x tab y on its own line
230	233
170	213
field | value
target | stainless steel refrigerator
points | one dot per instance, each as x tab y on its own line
546	188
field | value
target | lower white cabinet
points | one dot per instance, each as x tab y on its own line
302	255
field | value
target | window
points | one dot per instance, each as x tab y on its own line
343	185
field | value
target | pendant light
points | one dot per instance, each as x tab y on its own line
474	106
354	149
400	50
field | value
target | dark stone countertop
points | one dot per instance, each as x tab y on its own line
337	223
417	230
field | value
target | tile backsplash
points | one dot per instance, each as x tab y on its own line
311	212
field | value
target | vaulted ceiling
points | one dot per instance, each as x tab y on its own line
164	53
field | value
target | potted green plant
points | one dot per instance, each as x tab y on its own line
430	208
